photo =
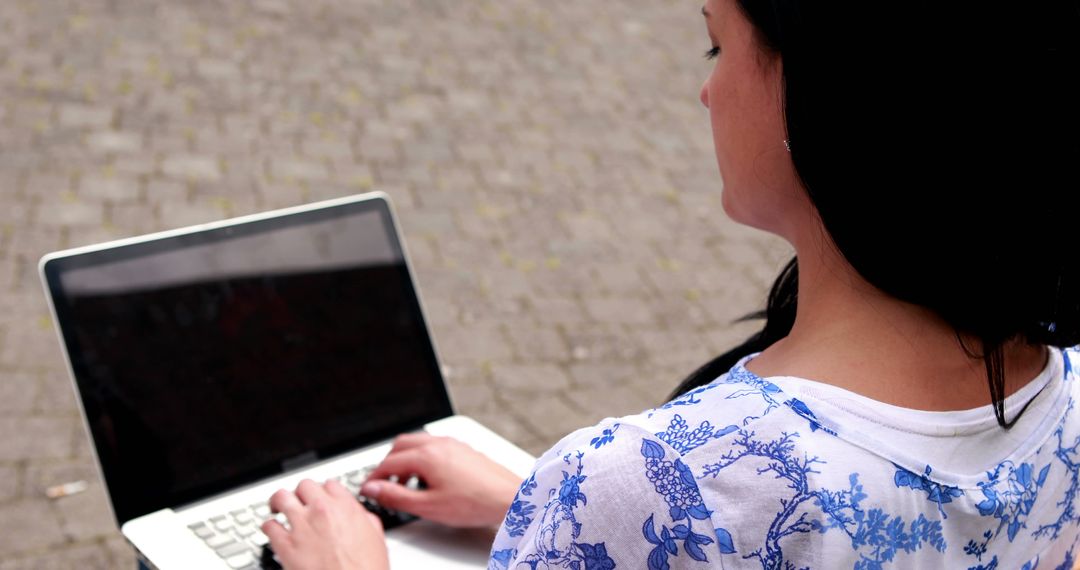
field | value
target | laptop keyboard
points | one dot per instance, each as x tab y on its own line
237	538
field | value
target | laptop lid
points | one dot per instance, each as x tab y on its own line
218	355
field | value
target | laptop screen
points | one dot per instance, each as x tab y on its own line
215	358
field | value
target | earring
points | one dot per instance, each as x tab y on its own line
787	145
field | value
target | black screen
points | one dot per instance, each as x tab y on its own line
208	360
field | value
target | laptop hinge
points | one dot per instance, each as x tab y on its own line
300	461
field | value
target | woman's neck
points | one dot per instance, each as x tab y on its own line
849	334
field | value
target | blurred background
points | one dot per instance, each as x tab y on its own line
550	162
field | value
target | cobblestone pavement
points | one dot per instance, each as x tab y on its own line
550	162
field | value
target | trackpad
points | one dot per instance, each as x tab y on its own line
428	542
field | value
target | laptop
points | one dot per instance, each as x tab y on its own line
218	363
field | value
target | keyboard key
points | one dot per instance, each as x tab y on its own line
244	518
259	539
223	525
245	531
201	530
262	511
232	549
219	540
240	560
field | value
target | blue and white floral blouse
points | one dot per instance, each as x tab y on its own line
787	473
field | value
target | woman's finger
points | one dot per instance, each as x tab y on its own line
411	440
309	491
287	502
409	462
280	540
397	497
337	490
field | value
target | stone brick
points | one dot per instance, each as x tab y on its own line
509	424
81	556
38	438
530	378
34	241
191	167
86	515
298	170
135	164
557	310
552	415
602	342
619	277
17	392
613	375
114	141
28	525
73	213
542	344
78	116
475	398
9	483
42	474
34	345
621	310
57	392
477	342
114	188
166	191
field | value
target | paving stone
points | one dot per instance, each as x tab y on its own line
28	525
620	310
553	415
122	554
191	167
9	482
479	342
38	438
557	310
17	393
75	115
114	188
86	515
34	342
291	170
529	378
42	474
76	212
562	208
114	141
83	556
542	344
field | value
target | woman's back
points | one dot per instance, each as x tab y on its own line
747	472
921	161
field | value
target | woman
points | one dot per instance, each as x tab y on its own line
921	160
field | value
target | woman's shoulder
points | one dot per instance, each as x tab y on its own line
611	495
626	487
736	400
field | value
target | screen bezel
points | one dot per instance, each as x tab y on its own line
52	266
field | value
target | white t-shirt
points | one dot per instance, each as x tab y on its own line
783	472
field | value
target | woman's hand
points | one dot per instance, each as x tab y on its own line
464	487
329	530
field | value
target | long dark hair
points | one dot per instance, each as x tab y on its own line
940	145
